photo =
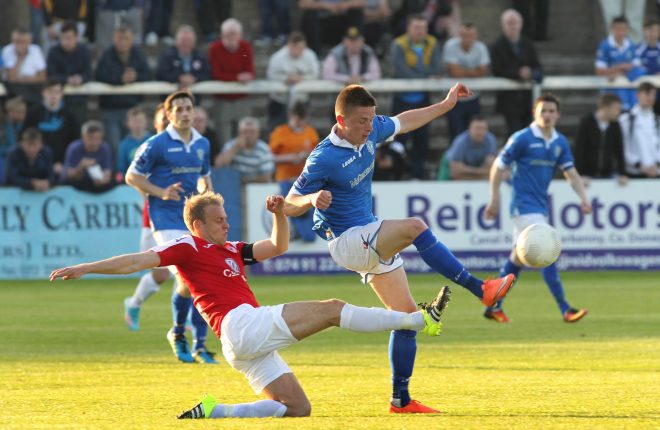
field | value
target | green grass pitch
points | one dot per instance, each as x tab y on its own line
67	361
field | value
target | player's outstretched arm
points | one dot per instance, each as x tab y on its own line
121	264
279	237
413	119
573	178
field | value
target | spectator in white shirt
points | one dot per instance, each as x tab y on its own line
641	138
23	61
291	64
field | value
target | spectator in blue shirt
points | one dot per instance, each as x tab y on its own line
615	57
472	152
88	161
136	120
182	63
30	165
647	54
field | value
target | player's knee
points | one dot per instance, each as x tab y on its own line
299	409
416	226
334	307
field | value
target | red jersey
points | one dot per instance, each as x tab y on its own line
146	222
215	274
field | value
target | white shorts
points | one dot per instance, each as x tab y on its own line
355	249
147	240
520	222
163	236
250	340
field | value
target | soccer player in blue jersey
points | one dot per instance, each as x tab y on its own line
336	181
533	154
175	164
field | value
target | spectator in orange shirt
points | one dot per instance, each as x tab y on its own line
291	144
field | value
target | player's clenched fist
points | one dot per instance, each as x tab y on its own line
275	204
322	199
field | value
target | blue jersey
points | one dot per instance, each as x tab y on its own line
166	159
648	58
346	171
533	161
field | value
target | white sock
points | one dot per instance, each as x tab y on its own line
258	409
145	289
356	318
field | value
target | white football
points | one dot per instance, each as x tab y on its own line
538	246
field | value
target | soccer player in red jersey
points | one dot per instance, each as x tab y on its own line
251	334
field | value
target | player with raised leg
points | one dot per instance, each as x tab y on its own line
251	334
176	164
533	154
336	181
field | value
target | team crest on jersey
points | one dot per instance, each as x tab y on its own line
370	147
200	154
234	269
557	151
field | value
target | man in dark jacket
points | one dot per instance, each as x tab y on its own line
182	63
70	62
514	56
55	122
598	148
120	64
30	165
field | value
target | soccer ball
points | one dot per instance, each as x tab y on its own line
538	246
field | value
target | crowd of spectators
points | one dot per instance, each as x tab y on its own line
48	138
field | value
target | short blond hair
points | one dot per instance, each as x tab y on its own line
195	205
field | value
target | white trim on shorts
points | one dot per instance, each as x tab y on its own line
355	250
147	240
250	339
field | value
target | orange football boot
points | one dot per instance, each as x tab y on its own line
414	407
574	315
495	289
497	315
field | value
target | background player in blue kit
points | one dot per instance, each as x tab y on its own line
336	181
175	164
533	154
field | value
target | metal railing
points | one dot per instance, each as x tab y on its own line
550	83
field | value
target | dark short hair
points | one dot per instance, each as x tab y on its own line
651	22
30	134
69	26
477	117
51	82
134	111
92	126
296	37
645	87
608	99
621	19
415	17
549	98
299	109
353	96
178	95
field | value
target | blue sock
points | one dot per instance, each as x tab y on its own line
436	255
508	268
402	350
551	278
200	329
180	307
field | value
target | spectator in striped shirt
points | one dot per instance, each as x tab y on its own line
248	154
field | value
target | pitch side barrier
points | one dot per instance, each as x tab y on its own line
623	233
61	227
550	83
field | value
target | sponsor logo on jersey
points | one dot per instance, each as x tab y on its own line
179	149
234	269
349	161
230	247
